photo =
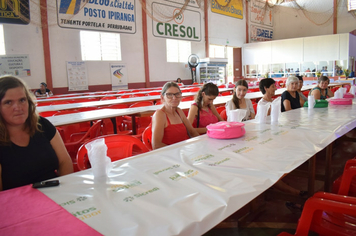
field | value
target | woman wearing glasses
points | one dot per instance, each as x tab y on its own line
169	124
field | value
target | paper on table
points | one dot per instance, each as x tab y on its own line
311	101
236	115
353	89
275	109
262	111
100	163
338	94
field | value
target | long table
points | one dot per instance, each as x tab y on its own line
189	187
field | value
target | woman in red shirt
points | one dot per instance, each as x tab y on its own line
169	124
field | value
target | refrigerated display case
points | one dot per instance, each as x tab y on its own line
213	70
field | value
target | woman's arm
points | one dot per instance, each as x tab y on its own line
215	112
301	101
229	106
286	104
330	93
37	94
188	125
316	93
193	112
65	163
50	93
158	125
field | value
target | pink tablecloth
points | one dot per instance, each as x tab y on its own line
27	211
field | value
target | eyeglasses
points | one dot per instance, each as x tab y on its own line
177	95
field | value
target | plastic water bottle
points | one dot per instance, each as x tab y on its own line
47	94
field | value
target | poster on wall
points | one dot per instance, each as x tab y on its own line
185	26
77	75
118	76
233	8
18	65
100	15
260	34
15	12
260	13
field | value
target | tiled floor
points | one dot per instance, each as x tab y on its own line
275	217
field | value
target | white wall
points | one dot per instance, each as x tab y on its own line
292	23
27	39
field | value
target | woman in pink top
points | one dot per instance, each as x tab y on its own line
169	124
203	112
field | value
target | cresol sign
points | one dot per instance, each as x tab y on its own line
185	26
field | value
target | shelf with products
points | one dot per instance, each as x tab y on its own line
212	70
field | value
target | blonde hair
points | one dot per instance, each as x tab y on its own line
31	124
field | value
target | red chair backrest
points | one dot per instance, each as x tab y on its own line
60	103
147	137
194	90
189	98
227	93
222	86
220	109
142	104
108	98
118	106
47	113
223	114
126	96
153	93
119	147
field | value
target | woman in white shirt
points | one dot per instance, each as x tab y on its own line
239	101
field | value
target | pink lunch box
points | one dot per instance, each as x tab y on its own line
340	101
349	95
226	130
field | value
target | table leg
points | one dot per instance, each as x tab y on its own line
113	120
329	152
134	128
311	175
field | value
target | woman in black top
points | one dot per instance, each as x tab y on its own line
31	149
290	98
43	91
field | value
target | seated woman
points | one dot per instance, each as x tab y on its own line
302	98
31	149
179	81
169	124
239	101
290	98
43	91
321	91
268	88
203	112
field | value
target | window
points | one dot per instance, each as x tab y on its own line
97	46
351	5
178	50
2	41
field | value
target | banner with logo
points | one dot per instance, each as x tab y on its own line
185	26
259	34
15	12
233	8
18	65
118	76
261	14
77	75
103	15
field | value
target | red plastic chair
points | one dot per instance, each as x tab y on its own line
180	84
77	139
189	98
220	109
147	137
119	147
79	100
223	115
193	90
346	183
153	94
108	98
60	103
139	95
47	113
222	86
227	93
41	104
126	96
327	214
118	106
195	83
306	93
141	122
255	107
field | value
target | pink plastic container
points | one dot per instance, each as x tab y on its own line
340	101
226	130
349	95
